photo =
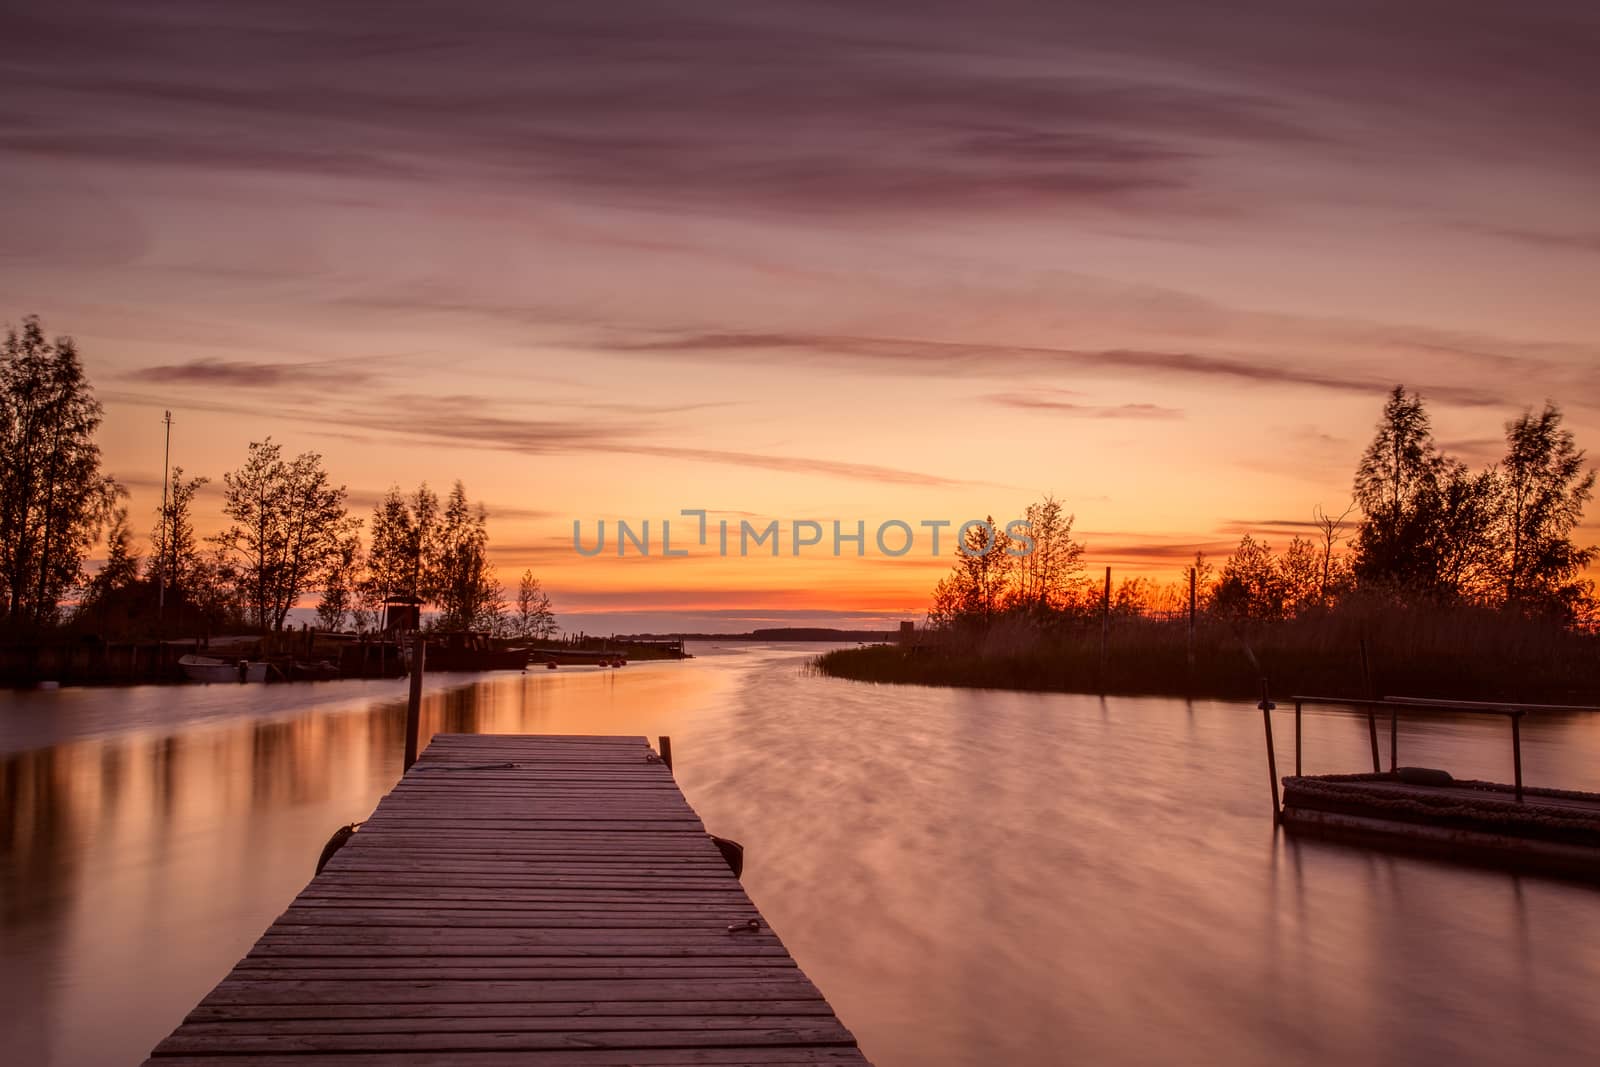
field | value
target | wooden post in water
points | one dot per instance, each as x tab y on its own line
664	743
1372	714
1297	704
1394	739
1266	706
1516	750
419	656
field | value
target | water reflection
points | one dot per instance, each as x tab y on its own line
970	876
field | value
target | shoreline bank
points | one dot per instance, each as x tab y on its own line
1159	670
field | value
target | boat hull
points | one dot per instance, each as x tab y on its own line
207	670
452	659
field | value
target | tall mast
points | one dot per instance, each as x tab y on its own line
161	569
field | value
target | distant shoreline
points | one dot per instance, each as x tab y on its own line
783	633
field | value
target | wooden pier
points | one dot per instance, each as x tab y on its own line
519	900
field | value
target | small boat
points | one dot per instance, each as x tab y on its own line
210	669
320	671
470	651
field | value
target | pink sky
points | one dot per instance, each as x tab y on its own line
809	260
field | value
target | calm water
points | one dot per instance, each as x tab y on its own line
971	877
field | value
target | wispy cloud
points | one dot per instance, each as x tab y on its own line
1155	553
892	114
1054	402
865	472
246	374
920	356
1575	241
466	421
1257	527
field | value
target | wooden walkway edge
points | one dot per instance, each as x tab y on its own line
519	900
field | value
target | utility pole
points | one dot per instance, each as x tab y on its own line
161	569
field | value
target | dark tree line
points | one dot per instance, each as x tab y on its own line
1430	530
288	531
1434	530
54	499
1502	535
436	553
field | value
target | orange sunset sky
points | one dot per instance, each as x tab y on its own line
808	260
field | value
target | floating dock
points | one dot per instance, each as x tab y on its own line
519	900
1427	810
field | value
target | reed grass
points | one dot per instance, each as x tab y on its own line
1443	652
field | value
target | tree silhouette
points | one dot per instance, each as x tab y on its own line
1396	487
535	617
1546	488
177	554
53	498
465	587
1251	586
288	523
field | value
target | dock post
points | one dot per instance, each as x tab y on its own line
1372	714
1394	739
1297	705
1266	707
419	655
1516	751
664	743
1372	735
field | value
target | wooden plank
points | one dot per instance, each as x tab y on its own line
574	1011
527	900
505	1024
237	989
487	970
819	1031
789	1057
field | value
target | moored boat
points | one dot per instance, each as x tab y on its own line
318	671
470	651
211	669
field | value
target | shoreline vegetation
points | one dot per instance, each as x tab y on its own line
1447	583
1442	652
288	536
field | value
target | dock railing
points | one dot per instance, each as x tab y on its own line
1395	705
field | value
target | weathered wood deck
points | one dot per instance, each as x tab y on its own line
1548	831
527	900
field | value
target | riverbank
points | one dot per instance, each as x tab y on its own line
1435	654
69	659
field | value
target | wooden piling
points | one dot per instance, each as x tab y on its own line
1266	706
1298	705
1372	714
1516	752
1394	740
419	656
